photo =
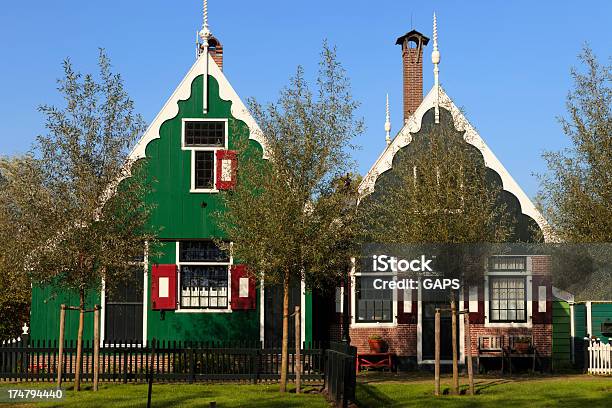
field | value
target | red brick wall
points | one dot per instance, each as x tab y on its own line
412	61
542	335
402	339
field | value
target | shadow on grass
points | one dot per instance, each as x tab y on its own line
370	396
481	386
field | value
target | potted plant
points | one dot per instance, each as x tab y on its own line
377	344
522	344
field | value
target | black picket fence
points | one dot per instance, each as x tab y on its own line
340	373
171	361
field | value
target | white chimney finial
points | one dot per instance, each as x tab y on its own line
388	124
435	59
205	32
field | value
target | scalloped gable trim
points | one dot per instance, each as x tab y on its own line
183	92
413	125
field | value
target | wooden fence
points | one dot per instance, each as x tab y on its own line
600	358
172	361
340	373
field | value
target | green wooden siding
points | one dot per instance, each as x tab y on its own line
45	313
171	325
600	312
177	214
181	214
580	321
308	317
561	341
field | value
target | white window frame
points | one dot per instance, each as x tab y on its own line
527	274
229	264
193	149
354	321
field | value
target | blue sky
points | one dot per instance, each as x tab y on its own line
505	63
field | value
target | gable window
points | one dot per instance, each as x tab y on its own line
373	305
204	138
507	299
205	133
204	275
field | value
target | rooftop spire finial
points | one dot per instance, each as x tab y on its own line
435	59
205	32
388	124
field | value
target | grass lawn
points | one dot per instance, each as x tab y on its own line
373	390
179	395
545	391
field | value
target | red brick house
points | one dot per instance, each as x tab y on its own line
513	299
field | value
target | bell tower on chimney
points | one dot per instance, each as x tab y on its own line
412	44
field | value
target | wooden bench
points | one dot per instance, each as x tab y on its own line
376	360
514	350
490	347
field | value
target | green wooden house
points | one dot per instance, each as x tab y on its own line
191	290
573	321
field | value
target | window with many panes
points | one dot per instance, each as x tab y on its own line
203	138
205	133
508	263
373	305
507	300
204	272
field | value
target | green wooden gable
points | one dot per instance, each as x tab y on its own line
179	213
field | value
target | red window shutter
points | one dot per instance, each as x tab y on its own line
243	289
226	169
407	316
163	287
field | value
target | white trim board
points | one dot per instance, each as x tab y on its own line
183	92
471	136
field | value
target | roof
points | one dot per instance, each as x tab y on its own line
183	92
471	136
412	33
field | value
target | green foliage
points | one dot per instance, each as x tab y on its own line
438	191
576	192
73	220
288	217
16	239
439	194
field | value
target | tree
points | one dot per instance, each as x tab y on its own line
576	192
14	285
82	219
285	214
440	192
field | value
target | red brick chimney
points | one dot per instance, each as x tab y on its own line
215	49
412	61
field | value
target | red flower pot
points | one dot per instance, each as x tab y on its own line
377	346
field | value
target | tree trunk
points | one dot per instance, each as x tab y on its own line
468	345
79	356
437	353
455	351
60	357
285	342
298	346
96	347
